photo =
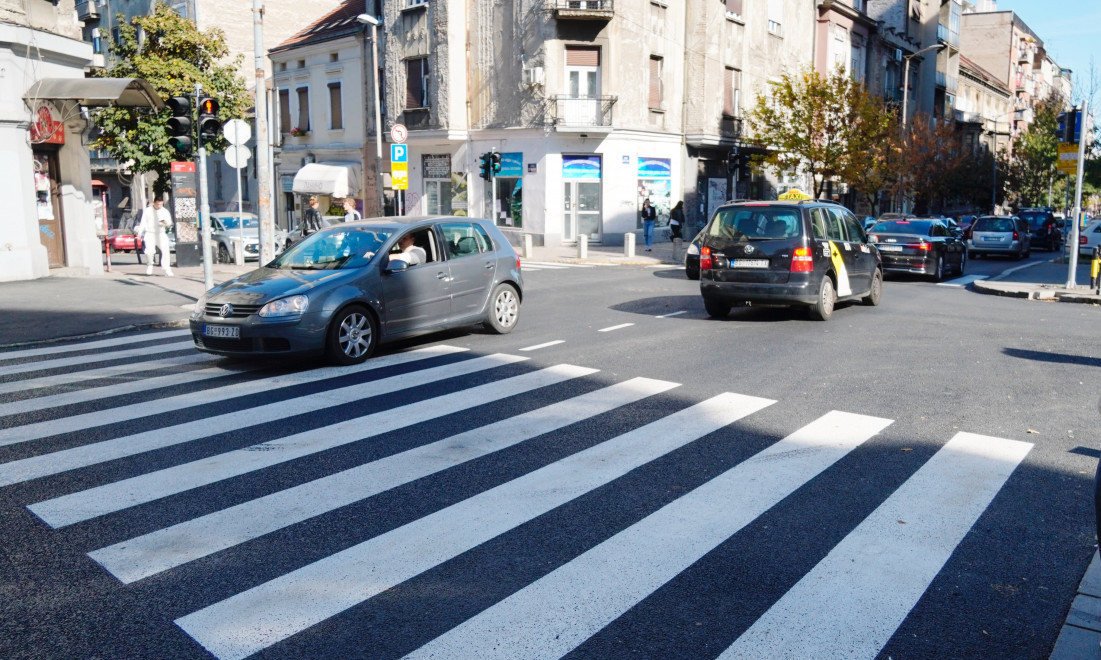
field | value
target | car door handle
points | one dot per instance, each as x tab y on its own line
489	265
441	275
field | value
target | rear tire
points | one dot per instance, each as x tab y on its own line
822	309
938	274
875	294
353	336
716	309
692	274
504	309
223	254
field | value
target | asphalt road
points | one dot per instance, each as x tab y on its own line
912	480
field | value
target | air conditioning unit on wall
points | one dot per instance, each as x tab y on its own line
533	76
898	54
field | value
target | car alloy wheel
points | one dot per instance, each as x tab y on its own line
504	309
223	254
353	336
876	291
822	309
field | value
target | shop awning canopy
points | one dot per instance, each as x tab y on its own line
93	92
332	178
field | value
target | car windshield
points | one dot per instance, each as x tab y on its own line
755	223
351	247
235	222
993	224
902	227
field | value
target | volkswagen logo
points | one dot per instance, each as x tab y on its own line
226	310
749	249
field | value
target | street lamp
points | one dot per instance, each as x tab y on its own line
368	19
906	79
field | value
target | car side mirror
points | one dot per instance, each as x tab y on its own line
397	266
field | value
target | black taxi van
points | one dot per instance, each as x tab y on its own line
811	253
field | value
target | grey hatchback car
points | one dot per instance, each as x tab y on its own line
341	291
999	234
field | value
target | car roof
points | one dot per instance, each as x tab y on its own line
398	222
232	214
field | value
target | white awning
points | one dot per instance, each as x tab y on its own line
334	178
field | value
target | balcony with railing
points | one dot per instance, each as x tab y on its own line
947	36
582	10
573	114
967	117
945	81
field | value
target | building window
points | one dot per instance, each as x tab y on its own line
336	108
334	57
282	66
414	3
416	83
734	7
776	17
381	92
303	110
301	64
655	82
285	111
732	92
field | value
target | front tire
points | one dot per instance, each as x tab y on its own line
963	263
875	294
353	336
504	309
223	254
822	309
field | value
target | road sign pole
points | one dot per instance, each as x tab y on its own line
1073	267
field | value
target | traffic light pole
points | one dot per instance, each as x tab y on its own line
263	175
204	207
1073	267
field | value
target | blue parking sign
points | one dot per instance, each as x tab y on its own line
399	153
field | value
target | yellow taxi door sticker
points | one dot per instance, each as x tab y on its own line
843	287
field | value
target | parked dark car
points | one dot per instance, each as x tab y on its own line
999	234
808	253
1044	227
340	291
923	246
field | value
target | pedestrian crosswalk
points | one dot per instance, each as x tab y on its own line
500	445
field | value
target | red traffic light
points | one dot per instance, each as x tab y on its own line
208	106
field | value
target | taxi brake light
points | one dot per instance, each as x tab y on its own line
802	261
705	258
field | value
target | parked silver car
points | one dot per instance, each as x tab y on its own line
339	291
228	227
999	234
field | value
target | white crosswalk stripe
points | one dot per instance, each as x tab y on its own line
880	568
71	361
91	345
112	371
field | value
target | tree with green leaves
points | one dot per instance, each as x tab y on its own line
1029	173
823	126
172	55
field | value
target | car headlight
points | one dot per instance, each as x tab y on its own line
200	306
285	306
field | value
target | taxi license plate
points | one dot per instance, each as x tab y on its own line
227	331
749	263
890	248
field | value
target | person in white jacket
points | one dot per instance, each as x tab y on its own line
153	228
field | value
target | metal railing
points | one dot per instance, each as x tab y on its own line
948	36
582	112
582	8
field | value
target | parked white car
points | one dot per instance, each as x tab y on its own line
228	227
1089	238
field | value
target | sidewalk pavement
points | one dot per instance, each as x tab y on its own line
57	307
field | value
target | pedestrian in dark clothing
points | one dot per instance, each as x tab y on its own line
649	216
311	219
676	221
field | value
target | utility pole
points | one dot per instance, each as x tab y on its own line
263	173
1084	117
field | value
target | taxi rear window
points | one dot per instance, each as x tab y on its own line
755	223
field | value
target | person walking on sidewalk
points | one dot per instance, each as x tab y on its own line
649	216
676	221
350	212
153	228
311	219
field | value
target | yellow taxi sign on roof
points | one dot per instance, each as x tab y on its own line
795	193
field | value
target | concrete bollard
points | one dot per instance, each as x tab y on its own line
238	253
583	246
678	250
529	247
629	245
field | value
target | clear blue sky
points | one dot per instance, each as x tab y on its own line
1071	31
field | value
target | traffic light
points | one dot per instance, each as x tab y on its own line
1069	130
209	124
486	166
179	125
496	159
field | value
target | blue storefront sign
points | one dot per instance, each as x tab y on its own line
655	168
512	164
580	167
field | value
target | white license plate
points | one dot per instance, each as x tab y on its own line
749	263
992	238
890	248
228	331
